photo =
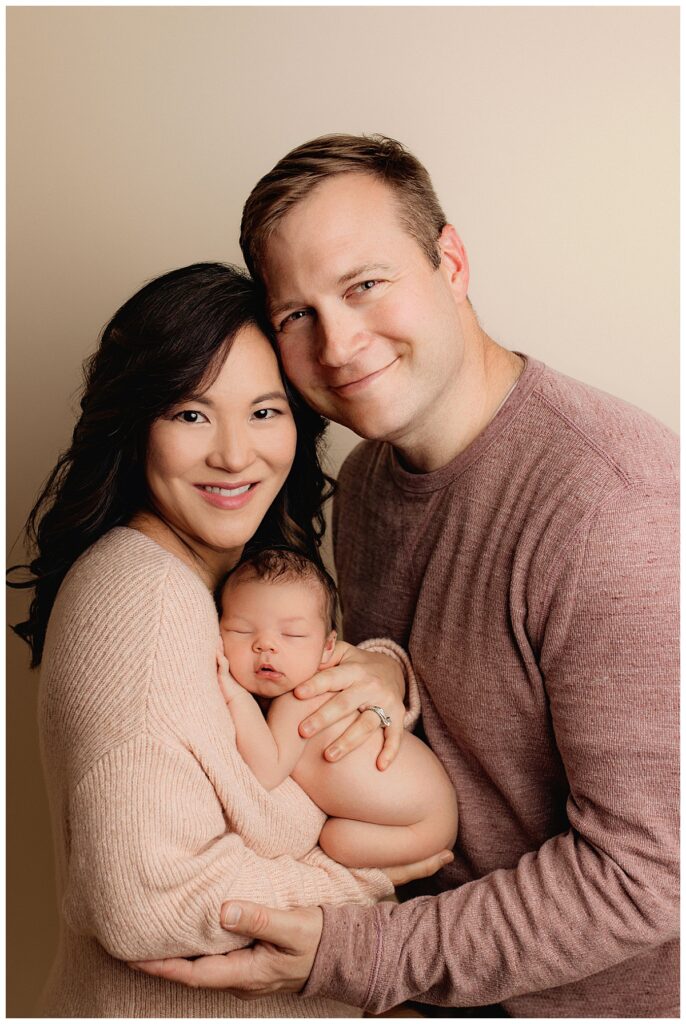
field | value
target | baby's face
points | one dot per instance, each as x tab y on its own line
274	633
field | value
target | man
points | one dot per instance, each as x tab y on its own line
517	532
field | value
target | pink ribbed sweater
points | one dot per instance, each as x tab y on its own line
156	818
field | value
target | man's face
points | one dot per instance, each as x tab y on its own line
368	329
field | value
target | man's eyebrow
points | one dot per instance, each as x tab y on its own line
283	306
364	268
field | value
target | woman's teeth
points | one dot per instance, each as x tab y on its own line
227	492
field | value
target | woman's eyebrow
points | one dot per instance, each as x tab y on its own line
205	399
269	397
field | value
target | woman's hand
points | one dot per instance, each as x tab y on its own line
363	678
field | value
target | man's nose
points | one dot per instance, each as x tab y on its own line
340	337
232	450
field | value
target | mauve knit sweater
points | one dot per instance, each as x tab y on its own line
534	582
156	817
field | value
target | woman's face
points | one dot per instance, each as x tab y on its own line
216	462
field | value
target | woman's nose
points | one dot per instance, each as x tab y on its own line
232	451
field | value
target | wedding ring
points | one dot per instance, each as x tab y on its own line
383	717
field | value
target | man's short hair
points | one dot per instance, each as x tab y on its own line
274	564
301	170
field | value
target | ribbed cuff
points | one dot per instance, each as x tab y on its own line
393	650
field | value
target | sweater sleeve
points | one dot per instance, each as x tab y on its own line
605	890
151	859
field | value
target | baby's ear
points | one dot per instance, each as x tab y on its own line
329	646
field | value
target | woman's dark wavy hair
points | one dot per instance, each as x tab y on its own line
167	342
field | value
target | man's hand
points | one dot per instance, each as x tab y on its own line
362	677
281	960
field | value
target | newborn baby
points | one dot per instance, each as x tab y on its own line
277	626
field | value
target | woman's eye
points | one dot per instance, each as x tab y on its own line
266	414
191	416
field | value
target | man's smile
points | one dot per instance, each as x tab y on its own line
353	386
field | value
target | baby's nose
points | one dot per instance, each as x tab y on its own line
265	643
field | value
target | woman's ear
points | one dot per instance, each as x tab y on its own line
329	646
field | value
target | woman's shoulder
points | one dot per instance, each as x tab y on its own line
123	553
128	617
125	563
121	590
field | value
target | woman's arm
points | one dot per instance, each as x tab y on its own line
158	808
151	859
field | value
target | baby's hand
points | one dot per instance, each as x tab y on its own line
227	684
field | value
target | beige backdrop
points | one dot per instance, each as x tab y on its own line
136	133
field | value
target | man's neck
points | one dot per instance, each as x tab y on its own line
486	378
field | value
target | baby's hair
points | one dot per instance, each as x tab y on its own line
273	564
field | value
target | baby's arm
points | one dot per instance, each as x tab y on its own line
271	748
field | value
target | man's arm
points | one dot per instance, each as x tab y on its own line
606	890
599	894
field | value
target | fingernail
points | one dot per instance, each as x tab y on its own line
333	753
305	691
231	916
446	858
306	729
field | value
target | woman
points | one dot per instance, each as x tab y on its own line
188	448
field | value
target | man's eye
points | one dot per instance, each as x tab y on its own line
365	286
292	318
191	416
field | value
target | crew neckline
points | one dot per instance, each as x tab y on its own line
439	478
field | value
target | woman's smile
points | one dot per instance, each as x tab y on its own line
225	497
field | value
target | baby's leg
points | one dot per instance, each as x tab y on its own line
362	844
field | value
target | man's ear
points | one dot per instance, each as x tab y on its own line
329	646
454	262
